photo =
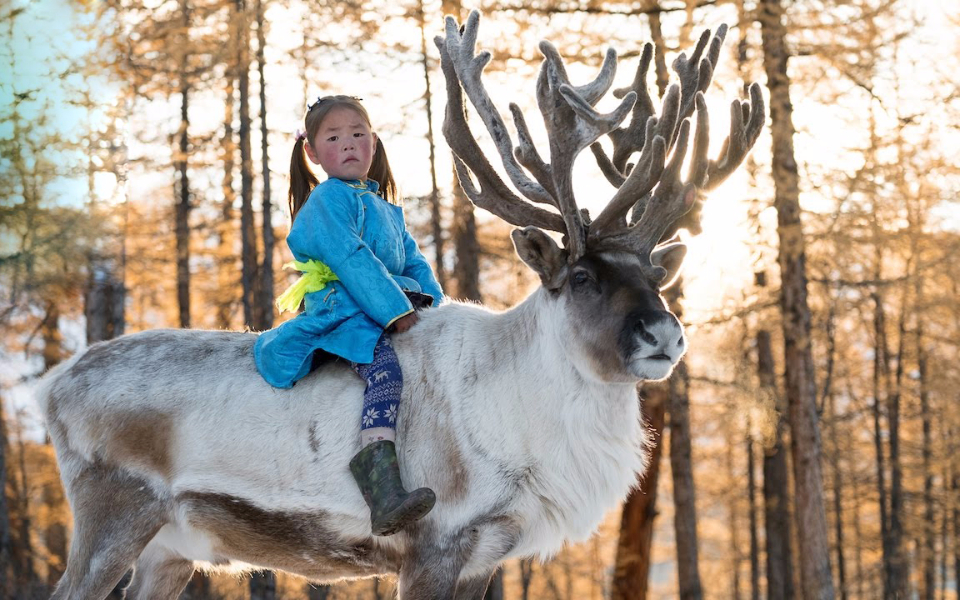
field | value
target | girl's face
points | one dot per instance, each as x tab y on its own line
344	145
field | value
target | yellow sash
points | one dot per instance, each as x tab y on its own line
315	276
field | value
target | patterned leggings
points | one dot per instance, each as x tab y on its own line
384	380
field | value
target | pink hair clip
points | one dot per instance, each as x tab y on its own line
300	135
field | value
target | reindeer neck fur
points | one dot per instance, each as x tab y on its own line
527	354
554	446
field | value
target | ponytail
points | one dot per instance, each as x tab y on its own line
381	173
302	179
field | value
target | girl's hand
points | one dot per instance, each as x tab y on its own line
406	322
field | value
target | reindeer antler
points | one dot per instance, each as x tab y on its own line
459	49
493	195
659	196
646	133
571	121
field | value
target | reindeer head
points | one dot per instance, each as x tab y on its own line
608	273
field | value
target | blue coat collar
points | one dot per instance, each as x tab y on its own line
369	184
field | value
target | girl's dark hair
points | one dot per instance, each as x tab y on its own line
302	179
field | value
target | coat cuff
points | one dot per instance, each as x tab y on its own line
397	318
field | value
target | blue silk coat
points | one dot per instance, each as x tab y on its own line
364	241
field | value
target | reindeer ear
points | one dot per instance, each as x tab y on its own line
669	258
541	254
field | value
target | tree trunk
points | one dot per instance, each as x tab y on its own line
104	293
775	485
858	542
631	569
754	533
495	589
774	469
660	58
7	555
929	543
944	544
526	577
198	588
226	253
466	268
777	523
183	186
955	488
319	592
436	219
736	556
879	375
837	499
814	551
55	531
263	586
52	336
684	492
900	566
103	296
26	576
266	270
248	232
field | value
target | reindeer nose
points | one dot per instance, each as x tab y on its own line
642	327
661	331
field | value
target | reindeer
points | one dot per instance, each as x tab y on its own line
177	456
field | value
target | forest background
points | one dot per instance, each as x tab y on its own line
144	152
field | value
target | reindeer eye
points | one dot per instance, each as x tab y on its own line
580	278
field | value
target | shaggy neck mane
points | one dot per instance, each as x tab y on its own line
519	357
525	342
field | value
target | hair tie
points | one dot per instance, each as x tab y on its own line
299	135
336	98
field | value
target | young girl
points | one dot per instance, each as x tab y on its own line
363	278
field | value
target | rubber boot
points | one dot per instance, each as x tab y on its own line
392	508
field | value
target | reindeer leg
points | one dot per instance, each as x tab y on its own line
433	568
431	571
115	516
160	574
